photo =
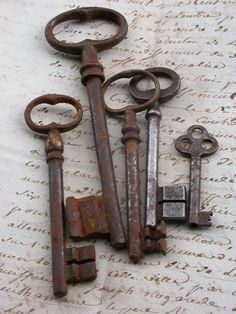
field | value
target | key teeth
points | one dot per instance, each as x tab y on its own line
86	218
81	265
163	229
148	245
81	272
172	201
156	234
135	258
154	240
163	246
203	219
152	246
81	254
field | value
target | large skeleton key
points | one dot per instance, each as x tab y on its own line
131	140
196	143
92	77
68	264
168	202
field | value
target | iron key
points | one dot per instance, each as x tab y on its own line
68	264
168	202
131	140
92	77
196	143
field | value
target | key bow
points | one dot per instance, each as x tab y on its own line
197	142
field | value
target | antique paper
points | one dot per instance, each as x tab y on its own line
197	39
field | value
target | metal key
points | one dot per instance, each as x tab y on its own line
68	264
168	202
131	140
92	77
196	143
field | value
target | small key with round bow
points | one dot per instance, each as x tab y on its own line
196	143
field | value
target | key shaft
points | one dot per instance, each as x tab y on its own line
194	189
54	151
153	117
105	164
131	141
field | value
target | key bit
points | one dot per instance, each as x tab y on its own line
81	264
72	264
172	203
154	239
196	143
155	245
86	218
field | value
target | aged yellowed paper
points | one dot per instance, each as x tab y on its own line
197	39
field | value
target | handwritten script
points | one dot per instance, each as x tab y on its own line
197	39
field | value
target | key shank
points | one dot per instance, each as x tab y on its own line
131	140
153	117
196	216
92	76
194	189
54	149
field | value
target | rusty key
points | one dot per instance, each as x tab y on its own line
131	140
168	202
196	143
68	264
92	77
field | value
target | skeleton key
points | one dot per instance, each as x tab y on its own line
168	202
131	140
196	143
92	77
68	264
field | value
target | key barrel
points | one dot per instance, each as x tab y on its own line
194	188
54	150
153	117
92	76
131	140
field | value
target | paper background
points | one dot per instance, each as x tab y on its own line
197	39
